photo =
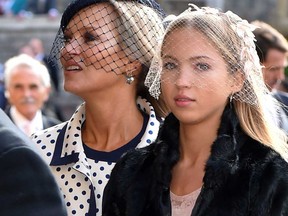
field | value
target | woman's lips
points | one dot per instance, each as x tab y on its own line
182	100
72	65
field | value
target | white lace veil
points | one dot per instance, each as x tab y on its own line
183	59
231	36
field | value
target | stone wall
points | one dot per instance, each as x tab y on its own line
14	33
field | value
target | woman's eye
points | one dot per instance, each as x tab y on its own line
89	37
202	66
65	39
169	65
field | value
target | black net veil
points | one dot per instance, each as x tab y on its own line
108	34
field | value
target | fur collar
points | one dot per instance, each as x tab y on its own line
242	176
224	151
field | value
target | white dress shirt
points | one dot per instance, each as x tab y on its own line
24	124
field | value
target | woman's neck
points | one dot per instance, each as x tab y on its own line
195	143
111	125
195	140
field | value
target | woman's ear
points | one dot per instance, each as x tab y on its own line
133	68
238	82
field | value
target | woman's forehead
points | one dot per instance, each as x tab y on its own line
185	38
97	16
101	12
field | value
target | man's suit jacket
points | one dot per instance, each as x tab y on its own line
49	121
282	97
27	187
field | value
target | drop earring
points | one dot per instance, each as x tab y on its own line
231	97
231	100
129	78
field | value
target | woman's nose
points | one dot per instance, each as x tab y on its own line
183	79
72	47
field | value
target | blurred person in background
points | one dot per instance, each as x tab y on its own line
36	44
17	8
61	102
27	88
5	6
27	8
48	7
26	49
3	100
272	49
283	86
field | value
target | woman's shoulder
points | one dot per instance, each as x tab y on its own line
259	162
261	152
265	161
268	180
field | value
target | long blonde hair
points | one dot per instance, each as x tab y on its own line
234	39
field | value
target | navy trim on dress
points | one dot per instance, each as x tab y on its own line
113	156
56	159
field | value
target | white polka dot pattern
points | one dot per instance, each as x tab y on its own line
62	148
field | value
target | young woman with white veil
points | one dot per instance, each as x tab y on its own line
217	152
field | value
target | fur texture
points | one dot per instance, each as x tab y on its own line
243	177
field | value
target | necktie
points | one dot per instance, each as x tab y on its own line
27	128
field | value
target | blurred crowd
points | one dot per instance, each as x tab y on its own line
27	8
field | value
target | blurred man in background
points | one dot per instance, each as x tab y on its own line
272	49
27	88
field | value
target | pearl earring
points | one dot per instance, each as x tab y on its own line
129	78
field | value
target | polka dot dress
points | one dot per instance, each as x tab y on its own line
81	172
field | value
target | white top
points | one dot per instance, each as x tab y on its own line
183	205
81	172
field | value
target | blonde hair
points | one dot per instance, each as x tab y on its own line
253	120
256	124
249	103
141	28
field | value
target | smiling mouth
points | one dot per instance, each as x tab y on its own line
72	68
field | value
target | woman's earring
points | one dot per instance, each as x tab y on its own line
129	78
231	97
231	100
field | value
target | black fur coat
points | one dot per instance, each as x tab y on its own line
243	177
